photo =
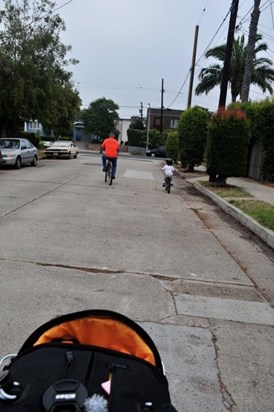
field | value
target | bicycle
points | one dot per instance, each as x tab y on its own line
108	172
168	183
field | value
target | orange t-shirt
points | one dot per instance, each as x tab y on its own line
111	147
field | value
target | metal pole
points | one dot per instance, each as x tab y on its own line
148	126
162	107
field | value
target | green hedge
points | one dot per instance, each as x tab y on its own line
32	137
227	144
261	116
192	131
172	145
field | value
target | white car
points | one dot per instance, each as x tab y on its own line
62	148
17	151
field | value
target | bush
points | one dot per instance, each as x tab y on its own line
192	132
264	128
172	145
136	137
227	144
261	116
156	139
34	139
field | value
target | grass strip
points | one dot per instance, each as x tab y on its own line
260	211
229	191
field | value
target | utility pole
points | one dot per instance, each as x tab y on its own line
162	107
228	52
250	51
192	67
148	126
141	111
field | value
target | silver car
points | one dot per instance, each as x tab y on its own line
17	151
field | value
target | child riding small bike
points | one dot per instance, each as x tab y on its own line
168	171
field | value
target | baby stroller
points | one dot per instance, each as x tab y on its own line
89	361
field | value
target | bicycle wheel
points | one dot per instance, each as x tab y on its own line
108	177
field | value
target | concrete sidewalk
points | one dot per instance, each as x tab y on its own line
258	190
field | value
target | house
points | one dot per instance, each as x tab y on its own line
169	117
33	126
122	126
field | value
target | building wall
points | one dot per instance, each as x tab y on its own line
123	125
170	118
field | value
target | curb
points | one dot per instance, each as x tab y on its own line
263	233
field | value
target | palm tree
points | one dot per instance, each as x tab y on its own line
262	74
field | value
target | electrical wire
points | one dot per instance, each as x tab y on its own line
217	31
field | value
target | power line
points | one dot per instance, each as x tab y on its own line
217	31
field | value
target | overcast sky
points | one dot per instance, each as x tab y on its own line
126	47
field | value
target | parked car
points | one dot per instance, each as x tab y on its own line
17	152
62	148
1	158
157	152
46	143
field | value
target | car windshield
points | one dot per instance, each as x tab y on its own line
9	143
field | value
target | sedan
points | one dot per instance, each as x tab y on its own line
17	152
62	148
157	152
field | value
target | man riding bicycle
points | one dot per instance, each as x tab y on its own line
110	148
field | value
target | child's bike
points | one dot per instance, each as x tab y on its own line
168	183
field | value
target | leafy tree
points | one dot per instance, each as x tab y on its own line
62	110
262	73
192	131
100	117
32	62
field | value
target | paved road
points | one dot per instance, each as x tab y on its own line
200	284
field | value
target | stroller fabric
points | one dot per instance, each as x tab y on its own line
91	361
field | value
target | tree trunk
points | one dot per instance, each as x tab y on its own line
250	51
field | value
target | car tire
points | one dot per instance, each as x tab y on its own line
75	156
34	162
49	157
18	163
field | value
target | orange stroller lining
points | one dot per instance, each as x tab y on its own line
102	332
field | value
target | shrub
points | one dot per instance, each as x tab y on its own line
172	145
192	132
136	137
228	139
34	139
264	128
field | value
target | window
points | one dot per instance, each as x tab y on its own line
157	121
174	123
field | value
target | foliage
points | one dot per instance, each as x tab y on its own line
136	137
228	139
261	116
261	211
32	64
264	128
137	123
192	132
262	74
100	117
35	140
156	139
172	145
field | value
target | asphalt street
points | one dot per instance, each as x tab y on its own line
200	283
